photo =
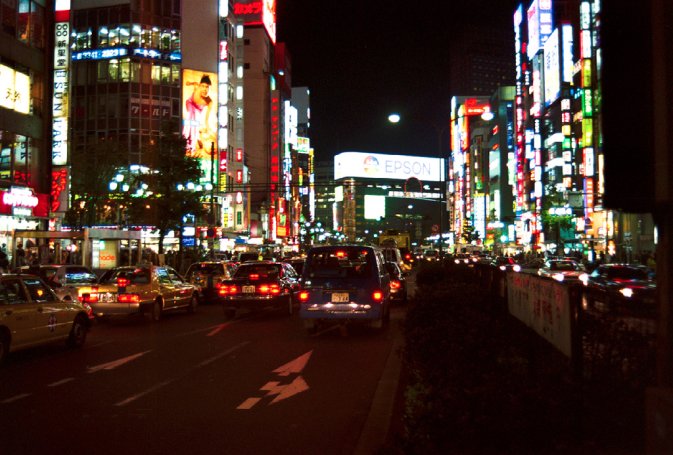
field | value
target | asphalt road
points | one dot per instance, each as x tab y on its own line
198	384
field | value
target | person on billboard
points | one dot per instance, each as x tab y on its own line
197	129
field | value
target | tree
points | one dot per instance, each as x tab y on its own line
554	223
91	172
171	173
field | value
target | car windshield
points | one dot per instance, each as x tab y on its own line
627	273
258	271
80	276
340	263
138	275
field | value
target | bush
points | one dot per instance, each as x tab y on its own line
480	382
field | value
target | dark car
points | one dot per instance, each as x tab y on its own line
620	286
398	283
259	284
345	283
206	276
297	264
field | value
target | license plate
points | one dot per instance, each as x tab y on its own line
106	297
248	289
340	297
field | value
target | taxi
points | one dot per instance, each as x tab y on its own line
145	289
31	314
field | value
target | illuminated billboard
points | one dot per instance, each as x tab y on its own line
375	207
14	90
552	69
199	116
394	167
256	12
540	25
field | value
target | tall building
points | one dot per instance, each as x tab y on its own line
27	35
481	60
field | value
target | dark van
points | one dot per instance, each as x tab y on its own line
345	283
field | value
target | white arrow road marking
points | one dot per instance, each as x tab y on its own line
16	398
294	366
286	391
249	403
283	391
116	363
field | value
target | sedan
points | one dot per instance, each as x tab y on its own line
260	284
626	285
505	263
31	314
563	270
206	275
146	289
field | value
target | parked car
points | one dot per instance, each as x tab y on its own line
145	289
260	284
345	283
31	314
565	270
206	276
620	286
398	283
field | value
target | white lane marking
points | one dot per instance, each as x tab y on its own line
218	356
294	366
217	329
249	403
116	363
162	384
142	394
61	382
15	398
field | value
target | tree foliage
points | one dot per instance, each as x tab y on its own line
91	172
170	168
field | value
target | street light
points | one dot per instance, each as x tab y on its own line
395	118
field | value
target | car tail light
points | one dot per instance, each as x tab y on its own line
268	289
377	296
254	276
395	284
128	298
340	254
89	297
224	289
122	282
303	296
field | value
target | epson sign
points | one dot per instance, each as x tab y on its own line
393	167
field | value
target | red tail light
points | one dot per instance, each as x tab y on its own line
394	284
91	297
303	296
377	296
227	289
128	298
254	276
268	289
340	254
122	282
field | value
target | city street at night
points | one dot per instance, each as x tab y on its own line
196	384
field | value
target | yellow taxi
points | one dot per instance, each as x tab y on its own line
143	289
31	314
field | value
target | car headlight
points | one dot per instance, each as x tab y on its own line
558	276
584	278
516	268
626	292
503	268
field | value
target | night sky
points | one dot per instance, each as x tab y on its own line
363	59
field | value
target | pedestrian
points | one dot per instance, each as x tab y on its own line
4	260
20	255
